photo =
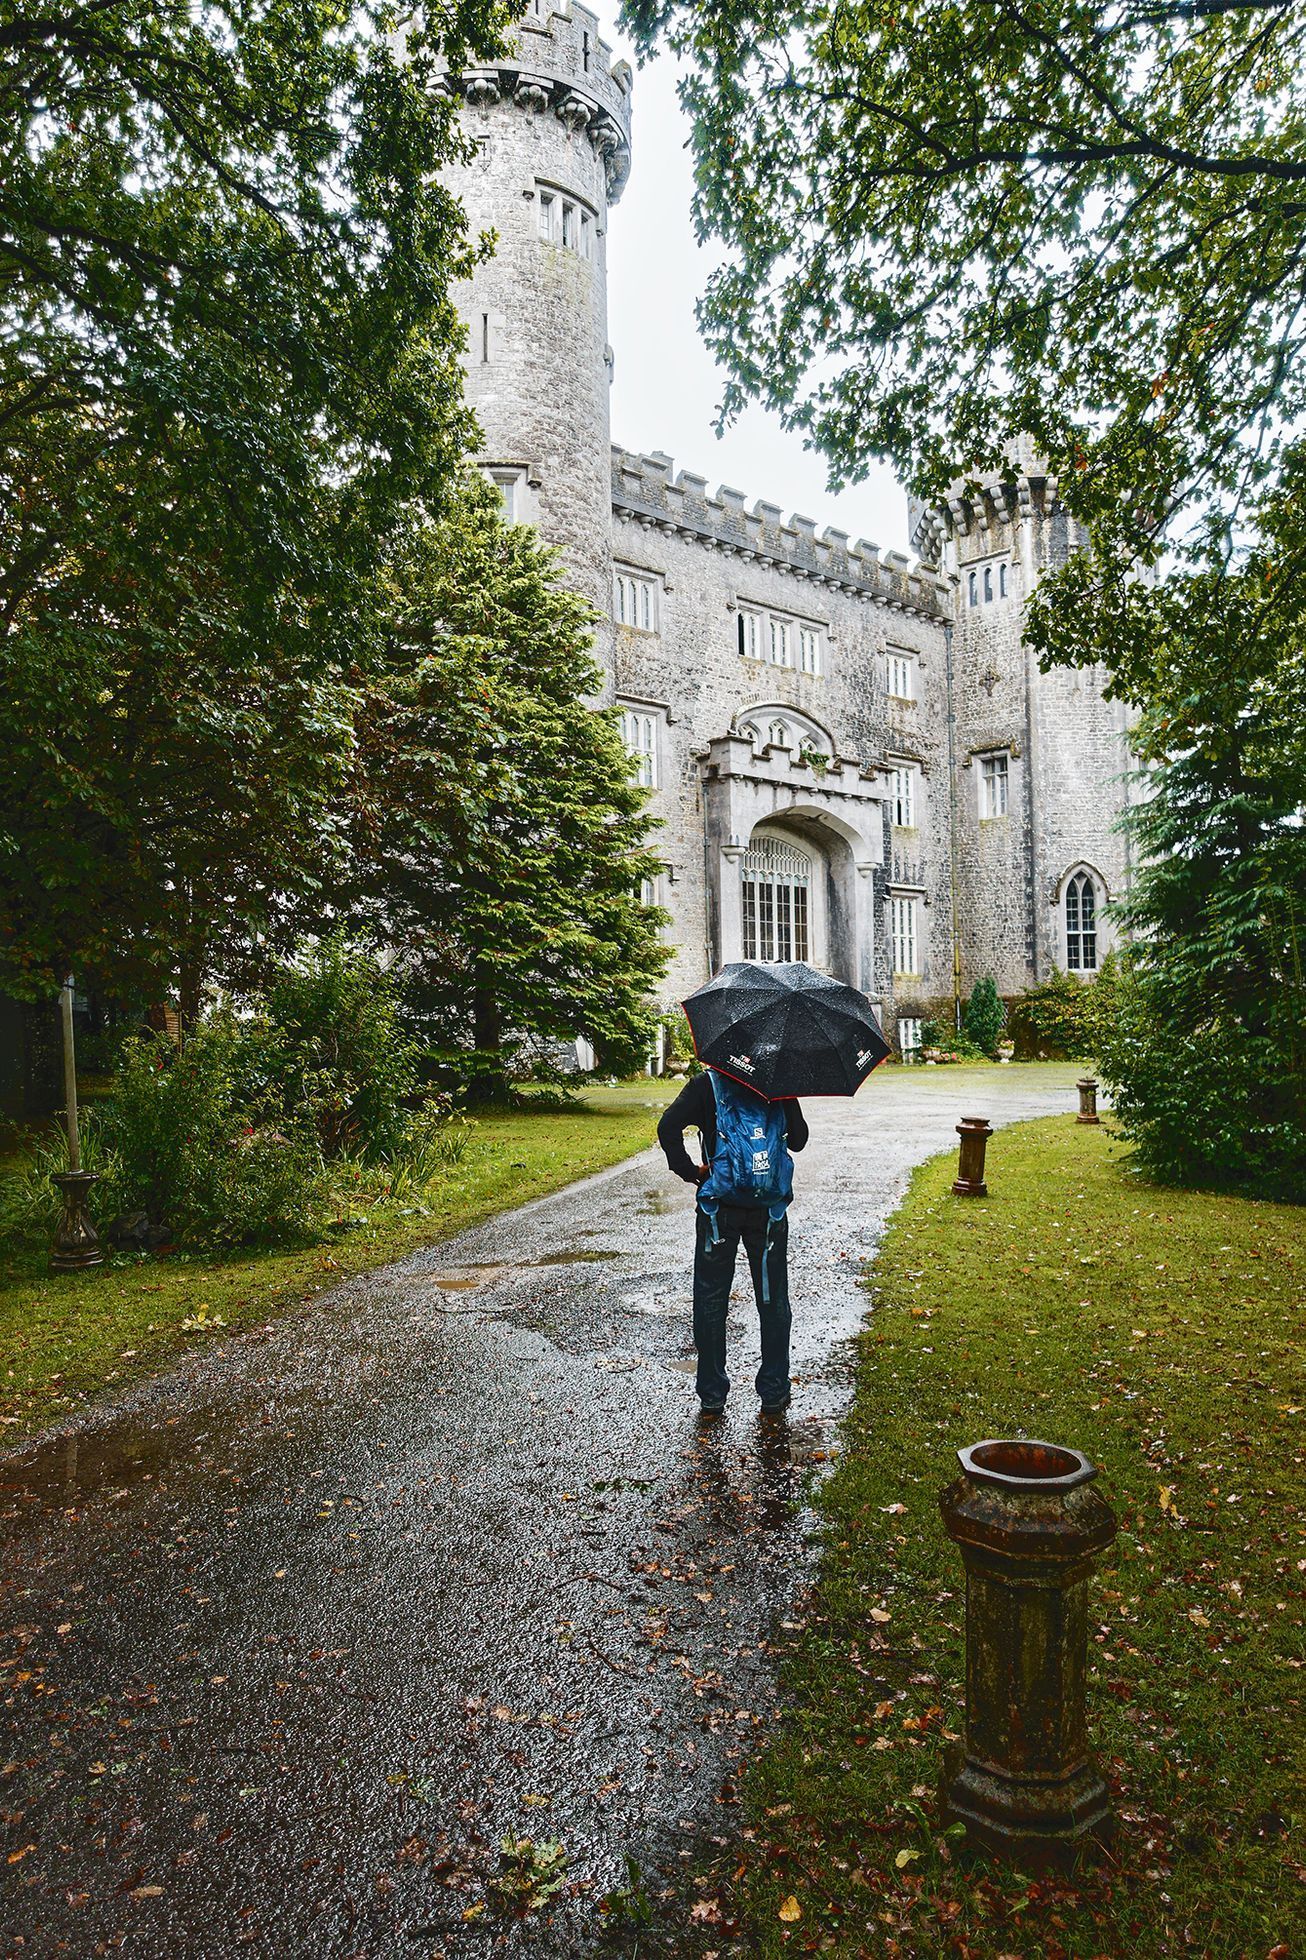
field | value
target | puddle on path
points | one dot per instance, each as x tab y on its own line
574	1256
463	1279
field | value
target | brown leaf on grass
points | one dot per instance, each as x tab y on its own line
791	1912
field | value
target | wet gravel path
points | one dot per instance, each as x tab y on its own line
297	1634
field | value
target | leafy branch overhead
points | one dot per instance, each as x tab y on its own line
950	229
229	363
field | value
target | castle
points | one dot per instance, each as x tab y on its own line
855	759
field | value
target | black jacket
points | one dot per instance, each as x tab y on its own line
695	1109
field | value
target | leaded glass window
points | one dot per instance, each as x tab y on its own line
1081	924
776	900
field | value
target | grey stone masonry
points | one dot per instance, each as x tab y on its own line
644	488
850	757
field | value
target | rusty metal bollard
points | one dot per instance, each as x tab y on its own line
1023	1782
1087	1087
974	1132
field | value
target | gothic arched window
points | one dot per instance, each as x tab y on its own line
1081	924
972	590
777	879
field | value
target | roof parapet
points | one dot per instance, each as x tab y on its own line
648	491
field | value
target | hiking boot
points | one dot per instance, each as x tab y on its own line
711	1408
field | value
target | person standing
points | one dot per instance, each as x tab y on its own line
744	1181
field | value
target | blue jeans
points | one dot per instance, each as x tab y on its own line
714	1272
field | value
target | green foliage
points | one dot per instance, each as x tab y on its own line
336	1046
950	230
1066	1016
183	1143
940	1042
1207	1059
498	831
229	363
983	1019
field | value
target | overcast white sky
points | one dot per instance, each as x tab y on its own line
666	389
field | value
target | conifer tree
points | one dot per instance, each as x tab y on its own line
500	835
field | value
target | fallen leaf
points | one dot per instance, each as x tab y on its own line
879	1616
791	1911
905	1858
1166	1498
147	1891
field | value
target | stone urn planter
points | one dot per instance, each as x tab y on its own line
76	1242
1087	1087
1030	1527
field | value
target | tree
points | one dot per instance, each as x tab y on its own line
1207	1058
951	229
983	1019
499	833
229	364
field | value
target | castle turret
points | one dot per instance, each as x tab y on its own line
551	127
1039	761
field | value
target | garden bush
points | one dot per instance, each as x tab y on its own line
181	1139
983	1020
334	1042
1066	1018
1204	1098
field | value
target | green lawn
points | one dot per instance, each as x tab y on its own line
1158	1331
62	1339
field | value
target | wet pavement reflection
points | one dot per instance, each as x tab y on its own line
295	1636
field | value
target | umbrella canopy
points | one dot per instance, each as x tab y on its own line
785	1030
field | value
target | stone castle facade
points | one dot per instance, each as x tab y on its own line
854	759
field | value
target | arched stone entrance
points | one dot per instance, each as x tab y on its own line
808	832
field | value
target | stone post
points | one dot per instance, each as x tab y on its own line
1087	1087
974	1132
1023	1782
76	1243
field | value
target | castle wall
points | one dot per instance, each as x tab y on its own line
710	556
1065	746
866	774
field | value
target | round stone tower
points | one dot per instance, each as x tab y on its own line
551	128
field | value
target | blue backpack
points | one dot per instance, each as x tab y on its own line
751	1164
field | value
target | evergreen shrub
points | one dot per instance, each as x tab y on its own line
983	1020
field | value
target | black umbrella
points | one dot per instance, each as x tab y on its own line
785	1030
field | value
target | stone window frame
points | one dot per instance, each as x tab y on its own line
565	220
642	723
1080	916
1103	936
982	588
900	664
760	629
904	934
803	734
642	587
906	779
515	483
987	777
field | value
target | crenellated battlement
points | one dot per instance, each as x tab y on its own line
648	490
979	509
562	66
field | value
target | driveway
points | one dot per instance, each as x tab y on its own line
300	1632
